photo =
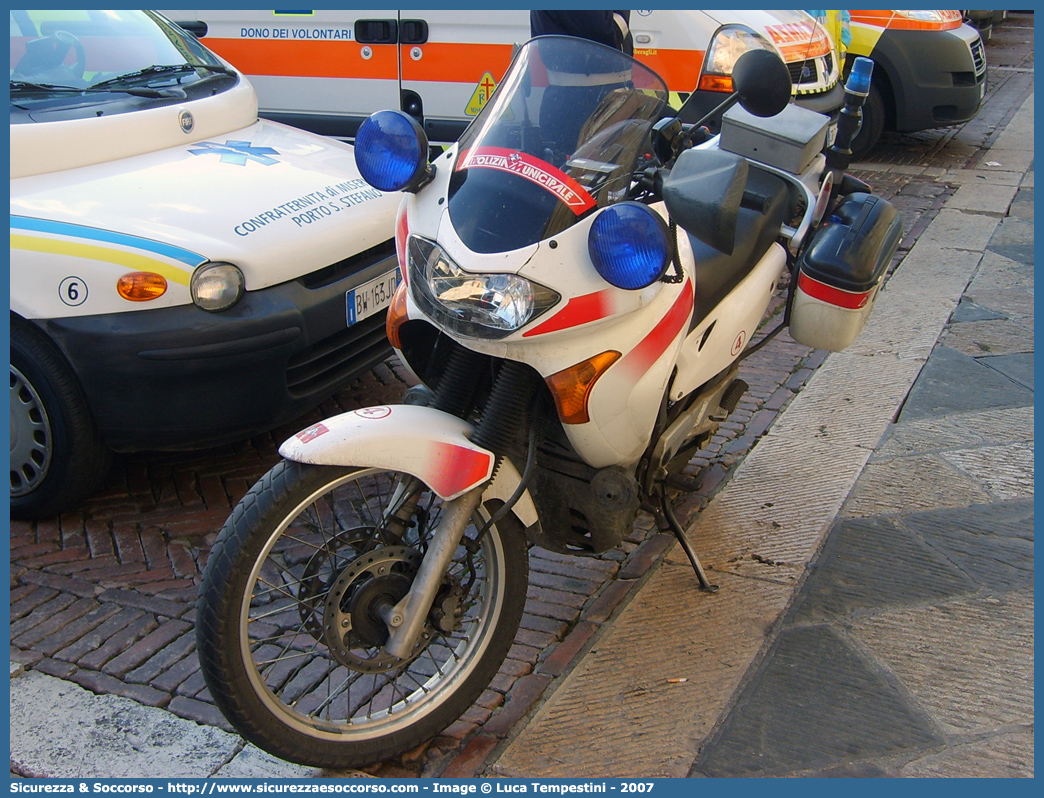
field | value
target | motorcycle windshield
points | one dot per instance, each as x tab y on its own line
561	135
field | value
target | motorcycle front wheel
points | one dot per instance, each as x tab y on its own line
288	629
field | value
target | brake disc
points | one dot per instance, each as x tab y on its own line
352	626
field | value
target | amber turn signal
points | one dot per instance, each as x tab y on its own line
396	315
571	387
141	286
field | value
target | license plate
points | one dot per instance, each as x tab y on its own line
371	297
831	134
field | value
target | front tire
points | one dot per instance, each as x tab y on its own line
57	457
287	630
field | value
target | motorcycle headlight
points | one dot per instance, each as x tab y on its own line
477	305
216	286
629	245
391	151
728	45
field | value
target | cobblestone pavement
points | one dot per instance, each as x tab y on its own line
104	596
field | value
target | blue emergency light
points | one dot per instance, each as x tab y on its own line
859	78
391	151
629	245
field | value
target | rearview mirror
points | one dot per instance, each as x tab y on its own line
762	81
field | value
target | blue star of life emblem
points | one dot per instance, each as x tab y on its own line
237	152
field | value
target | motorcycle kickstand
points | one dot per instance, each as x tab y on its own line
679	533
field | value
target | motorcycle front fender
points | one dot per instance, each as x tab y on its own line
431	445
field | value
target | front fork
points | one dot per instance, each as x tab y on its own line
506	411
406	619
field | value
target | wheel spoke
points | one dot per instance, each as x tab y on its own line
262	596
413	679
261	663
333	694
435	662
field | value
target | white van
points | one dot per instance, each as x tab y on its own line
326	70
181	274
929	71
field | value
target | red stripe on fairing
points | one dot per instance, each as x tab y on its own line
639	359
454	469
578	310
831	295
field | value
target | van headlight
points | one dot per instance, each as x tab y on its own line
725	48
216	286
935	17
476	305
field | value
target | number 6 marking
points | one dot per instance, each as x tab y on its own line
72	291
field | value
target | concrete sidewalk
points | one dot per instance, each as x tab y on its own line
874	553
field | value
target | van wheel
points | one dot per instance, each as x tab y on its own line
873	124
57	457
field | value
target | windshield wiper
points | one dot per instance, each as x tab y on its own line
163	69
25	85
137	91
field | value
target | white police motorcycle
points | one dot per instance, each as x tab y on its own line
581	275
